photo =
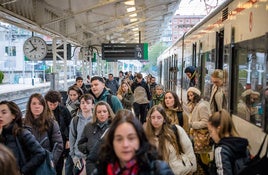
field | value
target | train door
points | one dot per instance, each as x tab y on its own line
219	49
233	89
201	69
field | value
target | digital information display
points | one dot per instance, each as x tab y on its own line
114	52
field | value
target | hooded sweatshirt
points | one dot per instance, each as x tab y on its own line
227	151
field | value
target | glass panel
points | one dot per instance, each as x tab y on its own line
210	67
251	80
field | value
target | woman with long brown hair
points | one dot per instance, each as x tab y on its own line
43	125
172	142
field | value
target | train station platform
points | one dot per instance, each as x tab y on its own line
6	88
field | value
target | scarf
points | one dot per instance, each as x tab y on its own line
131	168
72	106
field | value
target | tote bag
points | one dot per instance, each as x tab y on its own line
46	167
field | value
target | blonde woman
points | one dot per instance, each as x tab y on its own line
218	98
125	95
93	132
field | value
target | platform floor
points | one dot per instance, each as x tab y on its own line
5	88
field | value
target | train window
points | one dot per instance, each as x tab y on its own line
251	81
210	67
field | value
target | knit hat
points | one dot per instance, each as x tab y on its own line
190	69
248	92
195	90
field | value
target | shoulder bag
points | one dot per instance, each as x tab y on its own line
47	167
257	165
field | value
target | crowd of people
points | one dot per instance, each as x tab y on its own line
123	125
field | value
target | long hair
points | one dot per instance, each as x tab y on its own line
223	119
166	135
102	103
196	98
177	103
15	110
120	90
7	162
45	119
145	152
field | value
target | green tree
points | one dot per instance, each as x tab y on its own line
154	52
2	76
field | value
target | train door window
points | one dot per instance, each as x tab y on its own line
166	74
226	59
210	60
252	61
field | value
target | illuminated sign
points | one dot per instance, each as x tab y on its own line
114	52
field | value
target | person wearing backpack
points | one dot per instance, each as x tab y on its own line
63	117
93	133
44	127
231	151
12	133
101	93
142	97
75	161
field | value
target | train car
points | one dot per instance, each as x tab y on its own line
234	38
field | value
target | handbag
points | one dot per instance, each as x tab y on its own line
201	139
257	165
46	167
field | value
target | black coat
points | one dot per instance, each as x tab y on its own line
90	142
63	117
157	167
33	151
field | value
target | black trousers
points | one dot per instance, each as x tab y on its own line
140	111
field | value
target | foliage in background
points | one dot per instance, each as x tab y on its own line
154	51
2	76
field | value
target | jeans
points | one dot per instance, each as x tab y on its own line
69	165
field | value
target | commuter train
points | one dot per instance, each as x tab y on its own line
234	38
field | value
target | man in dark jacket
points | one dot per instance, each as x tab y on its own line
63	117
142	97
112	84
100	93
79	82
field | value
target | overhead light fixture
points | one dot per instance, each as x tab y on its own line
131	9
131	2
133	19
135	29
133	15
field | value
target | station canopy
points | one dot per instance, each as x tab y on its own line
92	22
